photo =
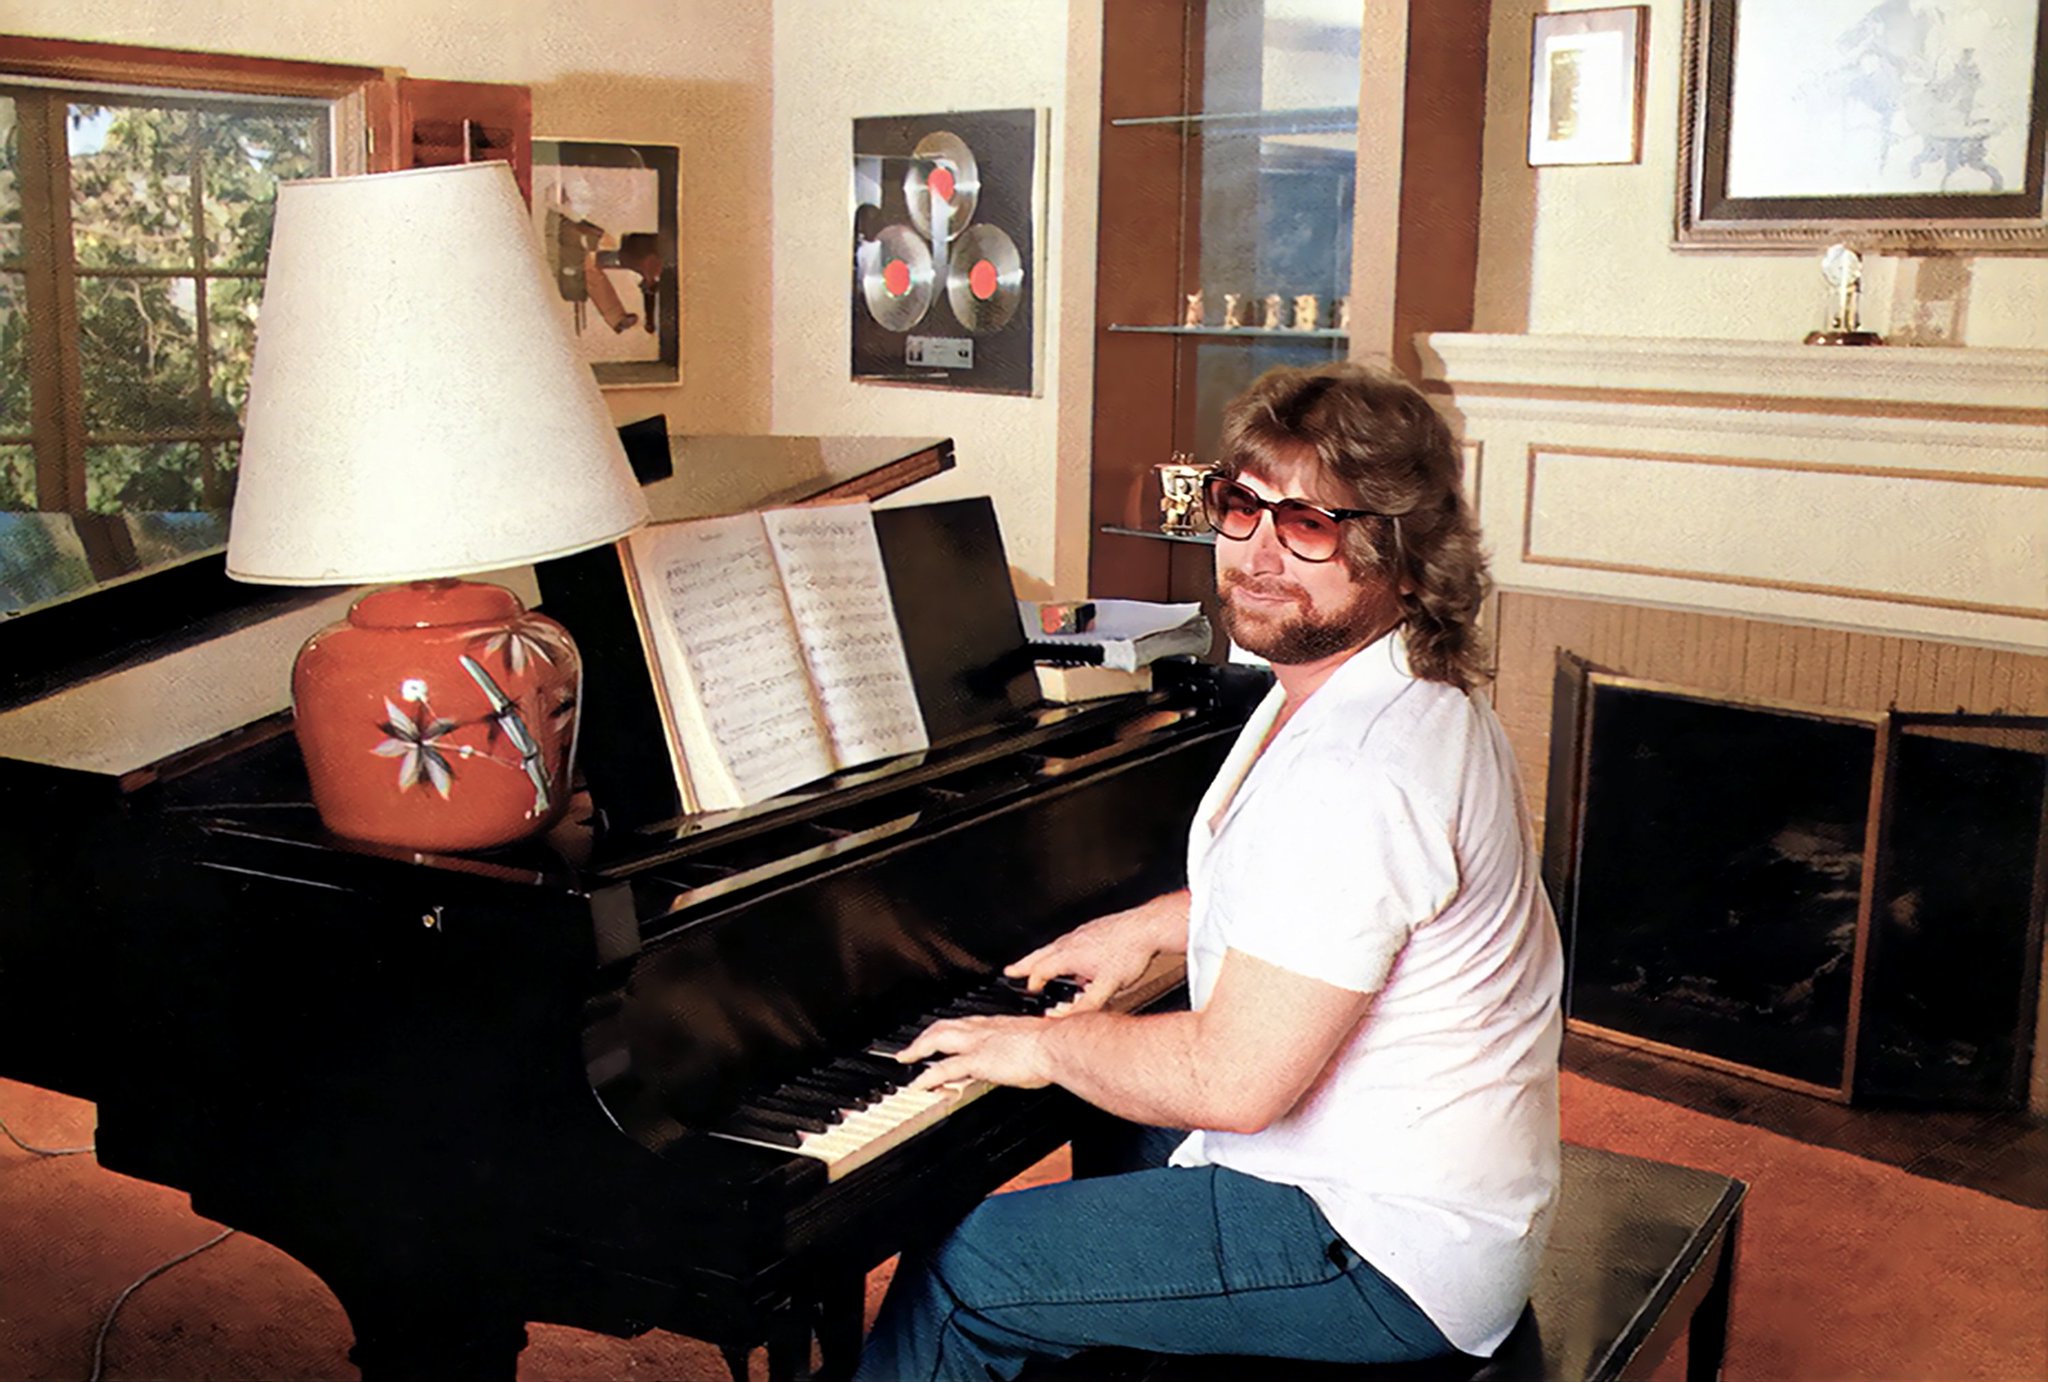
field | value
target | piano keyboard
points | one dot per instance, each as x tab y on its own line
857	1107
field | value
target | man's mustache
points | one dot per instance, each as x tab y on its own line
1266	587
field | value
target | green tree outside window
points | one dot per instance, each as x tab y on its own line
134	232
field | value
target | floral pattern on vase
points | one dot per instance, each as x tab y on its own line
475	699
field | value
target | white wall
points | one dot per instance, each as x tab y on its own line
834	63
1587	250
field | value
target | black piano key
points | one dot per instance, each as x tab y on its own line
1061	991
851	1090
978	1005
867	1098
1055	992
893	1072
754	1131
824	1108
777	1118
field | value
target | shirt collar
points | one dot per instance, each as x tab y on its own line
1358	689
1366	680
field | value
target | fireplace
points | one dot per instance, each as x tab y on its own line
1845	902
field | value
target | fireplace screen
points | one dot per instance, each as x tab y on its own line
1830	900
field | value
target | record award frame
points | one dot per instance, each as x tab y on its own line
948	226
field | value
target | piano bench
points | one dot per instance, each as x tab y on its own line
1640	1252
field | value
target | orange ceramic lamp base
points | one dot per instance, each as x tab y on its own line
439	715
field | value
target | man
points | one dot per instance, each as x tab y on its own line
1369	1067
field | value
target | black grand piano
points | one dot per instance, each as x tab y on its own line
635	1074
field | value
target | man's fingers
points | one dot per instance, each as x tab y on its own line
1039	966
1017	969
941	1037
1090	998
951	1071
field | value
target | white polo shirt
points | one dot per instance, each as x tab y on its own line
1381	843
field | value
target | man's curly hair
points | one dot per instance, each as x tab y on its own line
1369	435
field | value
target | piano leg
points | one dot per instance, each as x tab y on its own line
401	1343
789	1342
420	1316
841	1306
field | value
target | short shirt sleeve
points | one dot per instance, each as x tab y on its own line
1329	869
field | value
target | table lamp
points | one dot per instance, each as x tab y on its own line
417	411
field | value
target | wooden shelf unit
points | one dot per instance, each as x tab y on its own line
1414	176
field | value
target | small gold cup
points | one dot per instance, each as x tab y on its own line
1180	494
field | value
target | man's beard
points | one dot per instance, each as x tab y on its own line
1290	638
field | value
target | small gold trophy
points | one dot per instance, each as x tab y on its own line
1180	493
1192	316
1276	312
1842	267
1233	310
1307	312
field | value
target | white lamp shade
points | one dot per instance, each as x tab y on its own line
416	406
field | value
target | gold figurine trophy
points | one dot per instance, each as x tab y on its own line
1180	493
1842	267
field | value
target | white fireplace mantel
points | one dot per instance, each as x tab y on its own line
1878	375
1896	489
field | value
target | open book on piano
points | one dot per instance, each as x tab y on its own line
778	650
774	648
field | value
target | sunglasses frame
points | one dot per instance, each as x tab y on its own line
1275	507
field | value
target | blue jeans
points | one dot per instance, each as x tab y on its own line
1170	1260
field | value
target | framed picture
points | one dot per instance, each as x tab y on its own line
606	216
948	210
1586	86
1896	124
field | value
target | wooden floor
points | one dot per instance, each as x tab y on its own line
2001	1154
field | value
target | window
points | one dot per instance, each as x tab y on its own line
136	188
133	234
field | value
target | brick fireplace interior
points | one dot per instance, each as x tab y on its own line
1842	903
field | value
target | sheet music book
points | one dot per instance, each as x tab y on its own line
775	647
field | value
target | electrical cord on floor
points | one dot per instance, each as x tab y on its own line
40	1151
99	1344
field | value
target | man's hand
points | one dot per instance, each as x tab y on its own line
1001	1050
1108	953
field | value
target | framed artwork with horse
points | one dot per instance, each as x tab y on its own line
1897	124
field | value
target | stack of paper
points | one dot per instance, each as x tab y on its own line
1127	635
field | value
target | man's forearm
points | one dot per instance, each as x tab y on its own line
1231	1066
1146	1069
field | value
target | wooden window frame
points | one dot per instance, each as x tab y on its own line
357	99
133	619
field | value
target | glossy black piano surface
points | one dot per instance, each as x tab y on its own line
474	1091
555	1082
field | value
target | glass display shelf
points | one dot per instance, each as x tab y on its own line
1204	539
1301	120
1321	333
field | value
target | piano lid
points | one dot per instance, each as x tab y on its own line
712	475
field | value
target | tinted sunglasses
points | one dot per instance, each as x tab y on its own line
1309	532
